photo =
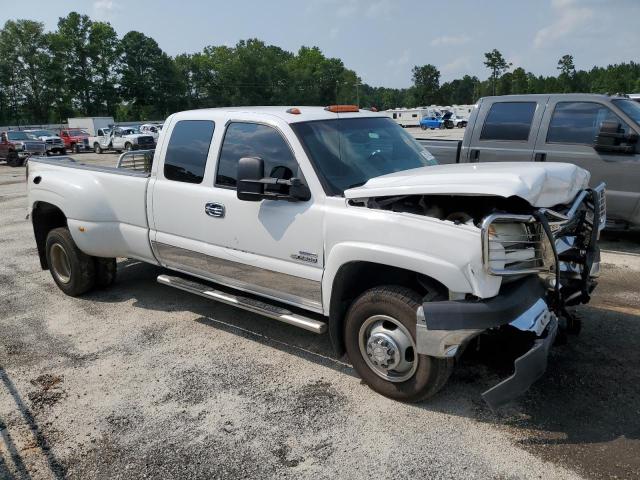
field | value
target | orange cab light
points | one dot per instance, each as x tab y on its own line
294	111
342	108
374	109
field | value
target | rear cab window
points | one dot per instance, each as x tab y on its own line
509	121
187	151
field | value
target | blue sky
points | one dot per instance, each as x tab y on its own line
380	39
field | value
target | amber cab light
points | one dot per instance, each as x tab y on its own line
294	111
342	108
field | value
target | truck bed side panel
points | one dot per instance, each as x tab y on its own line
105	207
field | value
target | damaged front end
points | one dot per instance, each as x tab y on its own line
549	259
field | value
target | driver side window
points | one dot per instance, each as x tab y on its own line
244	139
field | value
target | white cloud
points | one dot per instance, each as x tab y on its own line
105	9
456	67
447	40
571	16
400	61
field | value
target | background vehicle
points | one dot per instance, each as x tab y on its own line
121	138
597	132
17	146
90	124
408	117
459	121
151	129
75	139
334	219
54	143
432	122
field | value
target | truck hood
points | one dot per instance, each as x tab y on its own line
540	184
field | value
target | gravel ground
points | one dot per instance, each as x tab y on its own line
142	381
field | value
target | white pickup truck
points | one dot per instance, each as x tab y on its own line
336	220
119	139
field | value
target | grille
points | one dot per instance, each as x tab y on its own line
53	141
514	245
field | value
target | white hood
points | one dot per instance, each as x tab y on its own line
540	184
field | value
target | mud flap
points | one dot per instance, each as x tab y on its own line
528	368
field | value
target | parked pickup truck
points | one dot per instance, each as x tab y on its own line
53	142
119	139
596	132
75	139
336	220
17	146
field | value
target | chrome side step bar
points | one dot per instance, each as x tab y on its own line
246	303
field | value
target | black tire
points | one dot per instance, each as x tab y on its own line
128	147
423	127
97	148
106	271
63	151
401	304
13	160
81	267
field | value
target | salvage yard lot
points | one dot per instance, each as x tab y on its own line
144	380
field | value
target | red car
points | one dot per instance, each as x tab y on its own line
16	147
75	139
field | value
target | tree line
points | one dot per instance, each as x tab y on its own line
84	69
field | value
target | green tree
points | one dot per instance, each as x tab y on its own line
25	60
73	42
495	62
104	50
426	82
567	72
519	81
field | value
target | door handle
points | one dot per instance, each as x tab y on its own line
540	157
214	209
475	156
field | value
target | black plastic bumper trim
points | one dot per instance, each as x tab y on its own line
513	300
528	368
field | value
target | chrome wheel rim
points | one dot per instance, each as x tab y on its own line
60	263
388	348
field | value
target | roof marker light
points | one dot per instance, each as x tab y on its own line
342	108
294	111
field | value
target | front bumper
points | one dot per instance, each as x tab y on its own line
444	328
528	368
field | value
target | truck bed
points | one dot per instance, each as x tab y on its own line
105	207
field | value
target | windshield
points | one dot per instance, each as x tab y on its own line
42	133
348	152
631	108
18	136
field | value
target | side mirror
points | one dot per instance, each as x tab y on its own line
250	172
612	139
251	184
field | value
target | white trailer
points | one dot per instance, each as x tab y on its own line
407	117
91	124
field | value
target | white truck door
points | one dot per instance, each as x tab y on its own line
270	248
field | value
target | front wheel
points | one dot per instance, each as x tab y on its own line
423	127
97	148
128	147
73	270
13	159
63	151
380	331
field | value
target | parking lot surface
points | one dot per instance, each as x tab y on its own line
143	381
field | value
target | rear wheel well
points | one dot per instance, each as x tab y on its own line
45	217
354	278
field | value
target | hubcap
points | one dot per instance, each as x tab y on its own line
60	263
388	348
